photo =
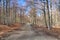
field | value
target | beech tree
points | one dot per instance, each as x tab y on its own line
51	13
3	11
7	12
45	14
49	24
14	10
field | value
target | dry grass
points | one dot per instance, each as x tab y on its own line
4	28
53	32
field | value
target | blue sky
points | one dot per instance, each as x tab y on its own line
21	2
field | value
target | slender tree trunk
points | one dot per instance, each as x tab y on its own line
7	12
51	13
20	16
45	15
49	25
14	10
15	15
3	12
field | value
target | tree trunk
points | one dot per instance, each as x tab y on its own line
51	13
49	25
45	16
7	12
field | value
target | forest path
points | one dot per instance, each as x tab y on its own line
28	35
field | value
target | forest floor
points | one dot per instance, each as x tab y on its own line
24	32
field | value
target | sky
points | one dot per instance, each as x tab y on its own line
21	2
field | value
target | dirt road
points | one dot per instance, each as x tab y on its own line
28	35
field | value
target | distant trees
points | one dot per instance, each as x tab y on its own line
6	15
9	11
22	14
32	11
5	11
33	15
